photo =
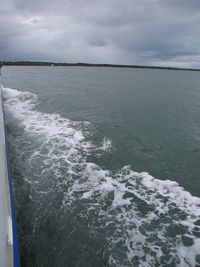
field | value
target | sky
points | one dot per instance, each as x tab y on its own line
145	32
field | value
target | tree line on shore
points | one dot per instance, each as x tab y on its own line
41	63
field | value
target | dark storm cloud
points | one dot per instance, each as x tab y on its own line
162	32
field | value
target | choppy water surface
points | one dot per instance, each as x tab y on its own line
81	142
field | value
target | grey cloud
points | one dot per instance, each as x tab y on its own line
128	32
182	5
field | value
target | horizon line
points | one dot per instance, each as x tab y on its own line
84	64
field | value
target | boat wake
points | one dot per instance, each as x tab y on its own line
141	221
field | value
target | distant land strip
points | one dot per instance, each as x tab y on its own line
38	63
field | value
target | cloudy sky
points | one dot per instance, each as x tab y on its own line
152	32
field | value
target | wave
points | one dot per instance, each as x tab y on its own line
147	221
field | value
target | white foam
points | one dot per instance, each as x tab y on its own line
106	144
141	209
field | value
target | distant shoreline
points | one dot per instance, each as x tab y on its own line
38	63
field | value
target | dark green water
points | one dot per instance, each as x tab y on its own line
76	203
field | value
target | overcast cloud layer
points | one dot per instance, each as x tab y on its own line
153	32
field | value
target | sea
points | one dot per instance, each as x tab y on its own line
105	165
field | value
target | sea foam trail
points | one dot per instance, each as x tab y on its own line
147	221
